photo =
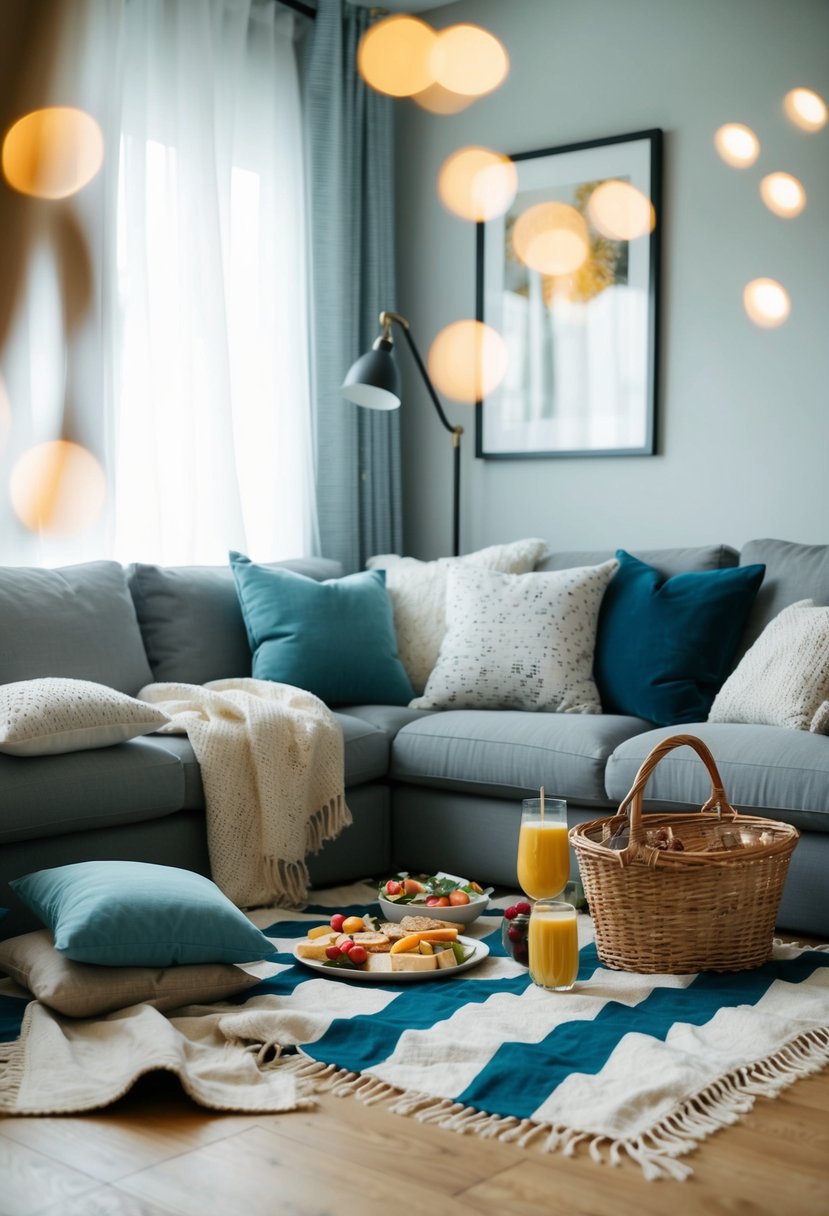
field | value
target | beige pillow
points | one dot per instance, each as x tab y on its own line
783	678
418	595
85	990
47	716
519	641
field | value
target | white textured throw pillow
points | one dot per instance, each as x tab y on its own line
418	595
519	641
48	716
783	679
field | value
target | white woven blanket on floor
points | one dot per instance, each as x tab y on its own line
271	759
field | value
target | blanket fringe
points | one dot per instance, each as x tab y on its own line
655	1151
288	881
13	1063
327	823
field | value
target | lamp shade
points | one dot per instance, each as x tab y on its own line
374	380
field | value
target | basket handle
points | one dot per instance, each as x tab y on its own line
717	800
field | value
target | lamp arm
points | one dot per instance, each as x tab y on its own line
386	319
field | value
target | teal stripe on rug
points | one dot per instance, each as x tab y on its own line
521	1076
357	1043
12	1009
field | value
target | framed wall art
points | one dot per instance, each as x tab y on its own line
569	277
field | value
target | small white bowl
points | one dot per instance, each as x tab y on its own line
462	914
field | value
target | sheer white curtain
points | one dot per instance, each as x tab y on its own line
210	441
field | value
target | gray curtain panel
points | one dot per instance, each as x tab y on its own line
351	179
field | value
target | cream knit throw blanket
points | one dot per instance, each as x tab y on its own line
271	759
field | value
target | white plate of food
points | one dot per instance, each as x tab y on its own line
377	968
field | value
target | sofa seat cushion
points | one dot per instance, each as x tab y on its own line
387	718
765	770
366	755
511	754
75	791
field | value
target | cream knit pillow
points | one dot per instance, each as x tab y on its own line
418	595
519	641
783	679
47	716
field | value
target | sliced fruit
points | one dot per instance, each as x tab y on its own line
461	952
410	942
413	940
438	901
318	931
425	948
353	924
412	887
446	958
393	887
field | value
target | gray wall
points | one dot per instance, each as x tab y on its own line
743	417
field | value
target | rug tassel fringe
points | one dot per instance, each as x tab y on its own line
655	1151
12	1063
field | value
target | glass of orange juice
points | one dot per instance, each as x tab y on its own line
553	945
543	847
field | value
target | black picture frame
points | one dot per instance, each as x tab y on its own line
583	349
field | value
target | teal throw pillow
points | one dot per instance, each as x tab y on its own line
133	914
334	638
665	646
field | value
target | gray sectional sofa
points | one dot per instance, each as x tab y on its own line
427	789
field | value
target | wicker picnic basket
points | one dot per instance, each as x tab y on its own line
706	903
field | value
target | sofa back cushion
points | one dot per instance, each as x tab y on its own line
793	572
191	621
667	562
75	621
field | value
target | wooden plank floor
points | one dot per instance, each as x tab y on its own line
157	1154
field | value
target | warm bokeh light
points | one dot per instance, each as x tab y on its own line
766	302
469	60
467	361
805	108
477	184
620	211
737	145
783	194
551	238
57	487
438	100
394	56
52	153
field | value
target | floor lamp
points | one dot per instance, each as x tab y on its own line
374	382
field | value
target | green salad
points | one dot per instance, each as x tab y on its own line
431	890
